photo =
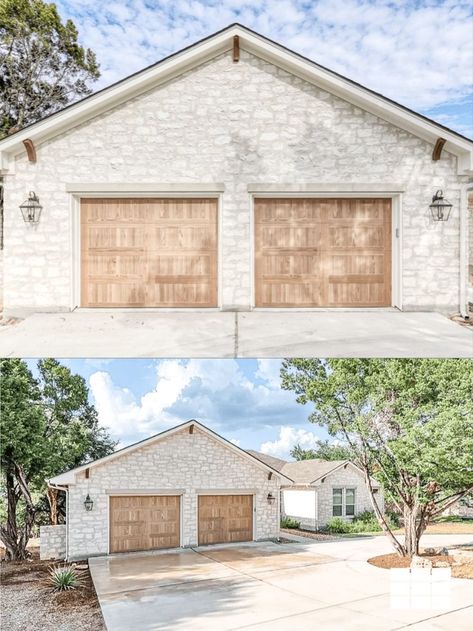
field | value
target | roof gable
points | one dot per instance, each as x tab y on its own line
69	477
256	44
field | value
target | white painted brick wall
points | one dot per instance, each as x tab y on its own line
191	462
52	542
237	124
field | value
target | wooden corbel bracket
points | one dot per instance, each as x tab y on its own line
437	151
30	149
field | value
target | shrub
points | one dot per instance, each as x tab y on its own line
64	577
337	525
289	522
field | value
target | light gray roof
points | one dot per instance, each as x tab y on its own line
307	471
301	471
271	461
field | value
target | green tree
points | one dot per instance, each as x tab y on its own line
47	426
325	450
71	424
22	452
408	422
42	65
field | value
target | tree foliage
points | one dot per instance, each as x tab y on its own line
42	65
47	426
409	422
325	450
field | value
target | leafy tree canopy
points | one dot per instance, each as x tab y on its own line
407	421
325	450
42	65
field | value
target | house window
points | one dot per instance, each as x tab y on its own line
343	502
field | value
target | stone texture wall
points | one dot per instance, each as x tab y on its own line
190	463
52	541
349	478
237	124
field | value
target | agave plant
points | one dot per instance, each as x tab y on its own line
64	577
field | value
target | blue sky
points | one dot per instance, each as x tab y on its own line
419	53
240	399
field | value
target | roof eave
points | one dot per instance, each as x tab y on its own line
264	48
70	477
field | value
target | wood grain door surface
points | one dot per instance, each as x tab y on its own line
148	252
144	522
322	252
225	518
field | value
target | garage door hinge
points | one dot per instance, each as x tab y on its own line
397	233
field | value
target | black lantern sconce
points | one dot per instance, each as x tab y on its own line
88	503
31	208
271	499
440	207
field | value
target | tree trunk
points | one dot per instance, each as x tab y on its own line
15	548
16	539
53	495
380	517
411	534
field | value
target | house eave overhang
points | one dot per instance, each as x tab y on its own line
70	477
206	49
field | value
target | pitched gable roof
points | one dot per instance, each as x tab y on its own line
69	477
305	472
271	461
262	47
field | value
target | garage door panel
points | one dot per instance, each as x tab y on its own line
292	294
225	518
144	523
322	252
169	259
346	294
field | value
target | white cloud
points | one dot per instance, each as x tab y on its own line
235	441
288	437
216	392
417	53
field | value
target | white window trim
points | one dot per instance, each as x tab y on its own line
344	489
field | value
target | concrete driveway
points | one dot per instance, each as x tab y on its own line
266	587
230	334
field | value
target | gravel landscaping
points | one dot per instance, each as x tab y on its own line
309	534
29	602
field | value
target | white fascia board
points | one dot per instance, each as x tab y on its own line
69	477
361	97
271	52
119	93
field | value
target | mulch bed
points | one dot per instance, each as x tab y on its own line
318	536
29	601
461	568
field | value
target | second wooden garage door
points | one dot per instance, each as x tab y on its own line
149	252
225	518
144	522
323	252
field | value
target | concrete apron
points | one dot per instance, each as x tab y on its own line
263	587
212	333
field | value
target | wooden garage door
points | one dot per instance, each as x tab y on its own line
225	518
149	252
144	522
323	252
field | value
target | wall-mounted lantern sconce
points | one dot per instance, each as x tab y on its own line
31	208
440	207
271	499
88	503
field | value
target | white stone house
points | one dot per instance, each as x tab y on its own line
186	486
322	489
235	174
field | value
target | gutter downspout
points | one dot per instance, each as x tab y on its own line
66	490
464	254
